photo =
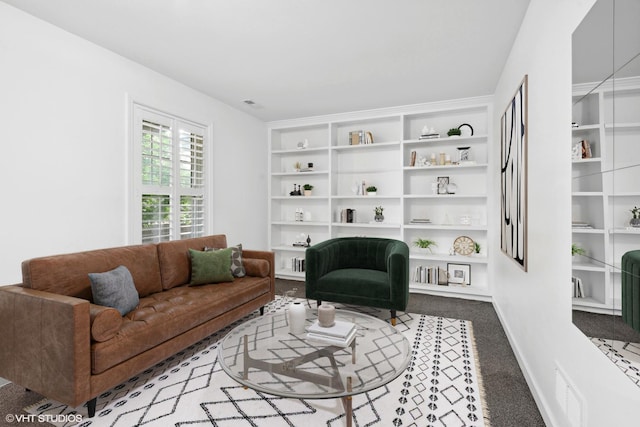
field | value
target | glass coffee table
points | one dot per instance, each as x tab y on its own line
263	355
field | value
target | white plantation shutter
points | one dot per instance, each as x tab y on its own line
169	176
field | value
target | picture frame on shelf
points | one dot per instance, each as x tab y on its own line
443	183
459	274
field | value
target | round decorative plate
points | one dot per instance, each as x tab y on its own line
464	245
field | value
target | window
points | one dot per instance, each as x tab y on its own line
169	177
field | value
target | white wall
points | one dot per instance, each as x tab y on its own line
535	307
64	150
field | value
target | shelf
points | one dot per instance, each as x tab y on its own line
319	172
439	167
590	160
288	248
455	227
288	273
630	126
586	127
302	223
625	230
628	194
366	146
445	196
366	224
587	194
300	151
450	290
587	267
447	140
458	259
587	230
356	197
299	198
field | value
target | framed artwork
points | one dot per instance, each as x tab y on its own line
443	183
513	177
459	274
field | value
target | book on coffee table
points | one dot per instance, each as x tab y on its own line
341	333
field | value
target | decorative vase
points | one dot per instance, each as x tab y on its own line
297	318
307	193
379	218
371	193
326	315
634	222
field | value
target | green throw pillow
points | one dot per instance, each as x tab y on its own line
210	267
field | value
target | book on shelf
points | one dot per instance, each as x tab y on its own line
578	289
429	136
432	275
297	264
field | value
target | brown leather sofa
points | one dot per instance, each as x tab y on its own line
56	342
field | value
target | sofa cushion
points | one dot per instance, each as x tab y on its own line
105	322
256	267
359	282
210	266
115	289
175	265
162	316
68	274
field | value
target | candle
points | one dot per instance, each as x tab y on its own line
326	315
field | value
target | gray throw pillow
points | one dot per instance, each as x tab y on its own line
115	289
237	269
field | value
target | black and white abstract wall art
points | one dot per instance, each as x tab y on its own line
513	173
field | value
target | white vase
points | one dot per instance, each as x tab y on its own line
297	318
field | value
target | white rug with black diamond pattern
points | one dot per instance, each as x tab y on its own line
441	387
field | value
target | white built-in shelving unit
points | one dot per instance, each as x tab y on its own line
605	187
404	191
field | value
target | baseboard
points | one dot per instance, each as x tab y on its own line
537	394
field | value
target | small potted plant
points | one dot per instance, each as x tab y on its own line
477	247
425	244
378	214
307	189
635	221
577	250
454	132
371	190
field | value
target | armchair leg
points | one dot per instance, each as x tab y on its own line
319	302
393	318
91	407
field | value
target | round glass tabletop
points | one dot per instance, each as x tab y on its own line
262	354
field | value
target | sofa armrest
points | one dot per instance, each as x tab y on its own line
270	258
46	343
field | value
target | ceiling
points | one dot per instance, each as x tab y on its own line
298	58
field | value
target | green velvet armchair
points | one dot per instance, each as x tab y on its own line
631	289
368	271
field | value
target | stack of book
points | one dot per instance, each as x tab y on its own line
340	334
581	224
429	136
420	221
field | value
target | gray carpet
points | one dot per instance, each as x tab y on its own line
507	396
